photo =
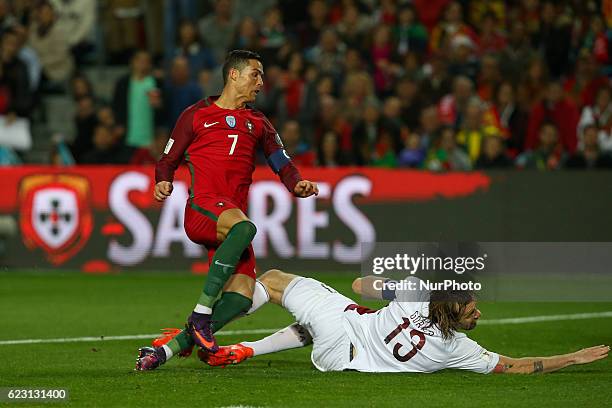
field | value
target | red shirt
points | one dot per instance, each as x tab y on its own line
219	146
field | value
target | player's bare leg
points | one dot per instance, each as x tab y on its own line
293	336
236	232
276	281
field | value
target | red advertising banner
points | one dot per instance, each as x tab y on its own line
98	217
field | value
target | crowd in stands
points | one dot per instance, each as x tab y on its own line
429	84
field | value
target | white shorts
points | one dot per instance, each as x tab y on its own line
319	309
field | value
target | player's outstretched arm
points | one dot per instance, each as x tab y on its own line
533	365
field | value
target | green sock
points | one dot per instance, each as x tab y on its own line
230	305
224	262
181	342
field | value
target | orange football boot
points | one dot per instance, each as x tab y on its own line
226	355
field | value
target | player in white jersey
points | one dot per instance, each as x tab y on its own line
408	335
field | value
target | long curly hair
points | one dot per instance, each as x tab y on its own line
446	308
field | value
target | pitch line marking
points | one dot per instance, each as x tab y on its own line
510	320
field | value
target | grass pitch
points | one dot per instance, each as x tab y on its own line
100	373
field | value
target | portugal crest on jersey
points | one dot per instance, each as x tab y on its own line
231	121
55	215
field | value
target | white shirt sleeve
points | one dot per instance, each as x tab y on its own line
469	355
410	290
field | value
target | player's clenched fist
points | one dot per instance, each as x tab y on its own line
305	189
162	190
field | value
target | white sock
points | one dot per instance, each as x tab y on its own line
290	337
168	352
202	309
260	297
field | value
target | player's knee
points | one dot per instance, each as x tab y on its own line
274	280
244	228
356	286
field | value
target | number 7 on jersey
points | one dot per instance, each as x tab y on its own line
235	137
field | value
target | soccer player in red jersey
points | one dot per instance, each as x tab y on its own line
218	138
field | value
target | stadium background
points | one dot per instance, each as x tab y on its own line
425	120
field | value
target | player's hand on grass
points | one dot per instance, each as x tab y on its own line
163	189
588	355
305	189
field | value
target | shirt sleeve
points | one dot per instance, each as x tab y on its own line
278	159
469	355
181	138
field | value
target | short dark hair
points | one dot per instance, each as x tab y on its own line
238	59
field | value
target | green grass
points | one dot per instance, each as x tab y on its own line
100	373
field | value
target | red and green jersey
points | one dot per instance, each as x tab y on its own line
220	146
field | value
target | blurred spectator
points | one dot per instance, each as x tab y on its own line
407	90
29	57
548	154
492	39
151	154
429	125
353	27
445	155
480	10
329	152
409	33
295	147
122	20
553	38
474	131
413	153
560	111
77	18
596	41
383	58
517	55
385	154
366	133
50	42
255	9
107	148
329	118
452	107
536	80
599	115
489	77
137	101
328	54
493	154
7	20
85	123
429	11
273	35
590	156
80	86
581	87
463	57
412	66
451	26
437	82
358	91
16	99
309	31
289	94
510	118
173	12
247	35
386	13
179	91
217	29
190	47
